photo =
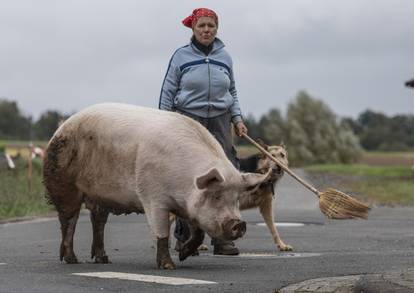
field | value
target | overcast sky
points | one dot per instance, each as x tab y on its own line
66	55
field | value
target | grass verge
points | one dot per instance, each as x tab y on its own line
15	198
4	143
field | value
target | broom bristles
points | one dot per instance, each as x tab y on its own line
337	205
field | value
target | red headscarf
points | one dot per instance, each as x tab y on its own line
191	20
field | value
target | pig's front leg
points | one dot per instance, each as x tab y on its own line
192	244
159	222
164	260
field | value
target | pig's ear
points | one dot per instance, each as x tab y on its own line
251	181
211	178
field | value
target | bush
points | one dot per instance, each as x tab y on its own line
311	133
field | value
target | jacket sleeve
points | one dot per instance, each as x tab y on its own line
169	86
236	115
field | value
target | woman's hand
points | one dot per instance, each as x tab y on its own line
240	128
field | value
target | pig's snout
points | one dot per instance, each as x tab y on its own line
234	229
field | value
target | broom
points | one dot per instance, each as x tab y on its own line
333	203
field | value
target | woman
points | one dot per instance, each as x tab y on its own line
199	83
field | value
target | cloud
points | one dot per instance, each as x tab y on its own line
69	54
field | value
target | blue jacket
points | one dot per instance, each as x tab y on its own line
199	84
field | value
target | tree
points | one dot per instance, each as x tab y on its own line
352	125
13	124
380	132
375	127
403	129
314	134
49	121
297	144
272	127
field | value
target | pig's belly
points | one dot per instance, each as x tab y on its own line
117	199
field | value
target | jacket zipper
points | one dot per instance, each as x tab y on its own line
209	87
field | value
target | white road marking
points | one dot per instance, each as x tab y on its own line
2	264
254	255
284	224
145	278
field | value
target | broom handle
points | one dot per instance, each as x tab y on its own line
284	167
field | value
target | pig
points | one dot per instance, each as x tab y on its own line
120	159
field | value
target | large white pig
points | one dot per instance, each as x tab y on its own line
121	158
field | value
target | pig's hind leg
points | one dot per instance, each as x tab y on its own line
68	217
99	216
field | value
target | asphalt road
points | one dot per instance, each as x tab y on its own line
29	260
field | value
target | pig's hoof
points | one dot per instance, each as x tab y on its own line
67	255
71	259
166	264
285	247
102	259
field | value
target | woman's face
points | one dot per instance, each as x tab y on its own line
205	30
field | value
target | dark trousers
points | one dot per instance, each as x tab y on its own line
220	128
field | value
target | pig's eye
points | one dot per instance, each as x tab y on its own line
282	155
217	197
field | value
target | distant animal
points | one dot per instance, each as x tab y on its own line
410	83
121	158
262	196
